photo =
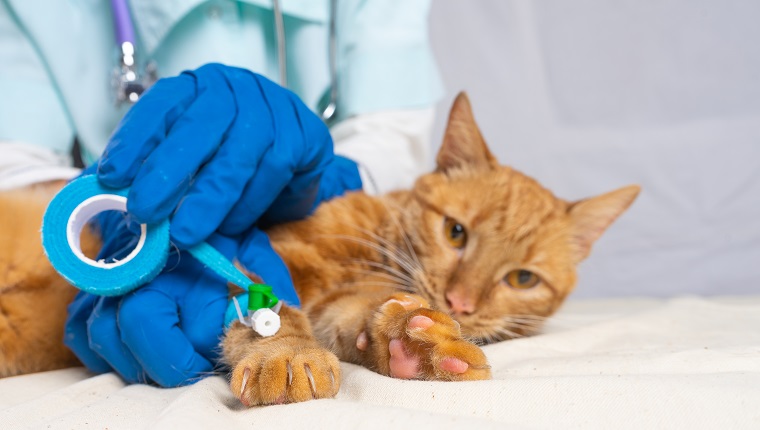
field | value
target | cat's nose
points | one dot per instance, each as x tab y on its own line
459	303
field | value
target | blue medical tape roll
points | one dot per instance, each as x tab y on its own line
76	204
83	198
66	216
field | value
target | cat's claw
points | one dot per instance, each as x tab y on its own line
246	375
293	374
310	376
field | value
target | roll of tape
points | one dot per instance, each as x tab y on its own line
77	203
66	216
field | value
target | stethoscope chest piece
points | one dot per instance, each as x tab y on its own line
127	82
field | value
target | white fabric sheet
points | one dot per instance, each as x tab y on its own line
687	363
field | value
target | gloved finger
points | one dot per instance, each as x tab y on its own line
222	180
295	201
150	328
307	190
257	256
317	141
299	145
105	340
75	333
203	305
340	176
167	173
270	178
143	127
299	196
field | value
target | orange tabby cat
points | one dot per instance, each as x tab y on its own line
485	246
33	297
402	284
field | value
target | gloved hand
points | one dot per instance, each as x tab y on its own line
216	148
165	332
223	147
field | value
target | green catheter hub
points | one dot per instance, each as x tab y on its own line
260	296
260	317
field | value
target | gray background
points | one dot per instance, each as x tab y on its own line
590	95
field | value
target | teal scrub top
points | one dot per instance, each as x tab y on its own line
57	57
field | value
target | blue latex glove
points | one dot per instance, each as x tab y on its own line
166	332
228	147
216	148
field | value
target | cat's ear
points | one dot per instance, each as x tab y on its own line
463	145
591	217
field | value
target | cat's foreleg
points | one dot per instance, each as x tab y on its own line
288	367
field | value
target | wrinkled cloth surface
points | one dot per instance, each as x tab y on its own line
686	362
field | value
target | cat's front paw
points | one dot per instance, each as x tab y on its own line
286	373
411	341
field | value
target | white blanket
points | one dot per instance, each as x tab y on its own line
625	363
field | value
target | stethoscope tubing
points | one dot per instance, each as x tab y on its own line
124	29
124	33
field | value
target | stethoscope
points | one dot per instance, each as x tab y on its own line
129	83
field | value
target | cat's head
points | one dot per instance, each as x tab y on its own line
497	249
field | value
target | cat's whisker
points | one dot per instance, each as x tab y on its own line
380	275
581	318
528	323
395	257
389	244
567	321
400	227
532	328
480	340
534	320
477	339
378	284
528	330
528	316
486	333
534	323
506	331
492	337
385	267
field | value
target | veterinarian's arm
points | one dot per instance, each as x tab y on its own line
391	147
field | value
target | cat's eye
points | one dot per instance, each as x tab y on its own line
455	233
522	279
